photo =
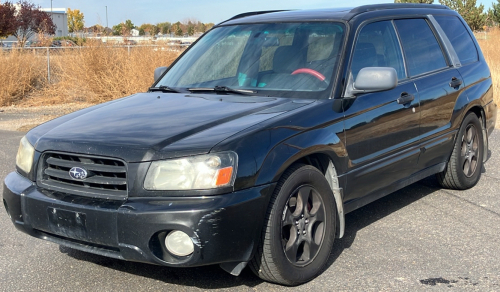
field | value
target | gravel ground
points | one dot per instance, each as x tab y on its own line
14	118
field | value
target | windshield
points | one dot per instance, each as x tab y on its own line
272	59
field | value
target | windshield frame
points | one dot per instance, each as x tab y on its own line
327	93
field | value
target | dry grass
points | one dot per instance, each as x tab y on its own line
21	74
490	47
94	74
100	73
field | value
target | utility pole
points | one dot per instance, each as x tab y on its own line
48	51
107	27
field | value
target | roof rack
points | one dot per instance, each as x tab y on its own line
367	8
241	15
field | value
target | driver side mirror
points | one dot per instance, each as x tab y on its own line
373	79
159	71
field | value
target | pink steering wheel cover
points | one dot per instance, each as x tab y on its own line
312	72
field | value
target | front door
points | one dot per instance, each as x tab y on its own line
382	128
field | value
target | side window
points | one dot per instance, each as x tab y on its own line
459	38
377	46
423	53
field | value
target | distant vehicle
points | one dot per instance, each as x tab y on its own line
63	43
36	44
130	42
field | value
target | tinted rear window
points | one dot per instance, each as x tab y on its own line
459	38
423	53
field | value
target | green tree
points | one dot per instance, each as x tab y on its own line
123	28
415	1
164	27
129	25
156	29
117	29
190	28
494	13
177	29
474	15
147	29
75	20
200	27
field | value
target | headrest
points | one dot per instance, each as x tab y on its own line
288	58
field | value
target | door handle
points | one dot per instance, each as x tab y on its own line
405	98
455	82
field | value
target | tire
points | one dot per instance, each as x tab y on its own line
297	238
466	162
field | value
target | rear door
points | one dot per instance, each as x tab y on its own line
381	132
439	85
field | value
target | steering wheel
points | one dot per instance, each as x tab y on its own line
311	72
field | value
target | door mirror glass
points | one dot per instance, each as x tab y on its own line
372	79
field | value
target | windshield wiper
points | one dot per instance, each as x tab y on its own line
164	89
223	89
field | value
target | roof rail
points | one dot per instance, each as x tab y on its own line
367	8
241	15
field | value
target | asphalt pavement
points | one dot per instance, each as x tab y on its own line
421	238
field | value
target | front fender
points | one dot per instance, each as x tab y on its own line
326	141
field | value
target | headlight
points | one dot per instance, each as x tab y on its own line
193	173
24	158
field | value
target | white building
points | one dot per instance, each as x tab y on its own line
60	19
134	32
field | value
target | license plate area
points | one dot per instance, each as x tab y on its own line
67	223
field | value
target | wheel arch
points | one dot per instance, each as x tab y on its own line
326	164
478	110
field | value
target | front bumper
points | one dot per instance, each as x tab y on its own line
224	228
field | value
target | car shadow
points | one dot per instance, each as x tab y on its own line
377	210
213	277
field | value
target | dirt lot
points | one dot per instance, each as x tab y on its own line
14	118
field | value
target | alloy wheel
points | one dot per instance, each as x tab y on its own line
303	226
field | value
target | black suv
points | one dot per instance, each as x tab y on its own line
259	138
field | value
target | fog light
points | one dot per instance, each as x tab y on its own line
179	243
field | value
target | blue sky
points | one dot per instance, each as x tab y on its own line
154	11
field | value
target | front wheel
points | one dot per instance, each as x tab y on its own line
464	168
300	228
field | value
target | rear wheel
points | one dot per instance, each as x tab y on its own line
300	228
464	168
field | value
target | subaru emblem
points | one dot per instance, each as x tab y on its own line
78	173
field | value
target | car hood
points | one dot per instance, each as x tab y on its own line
152	126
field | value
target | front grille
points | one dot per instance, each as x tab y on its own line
106	177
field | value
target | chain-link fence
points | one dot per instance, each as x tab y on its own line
51	51
93	73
